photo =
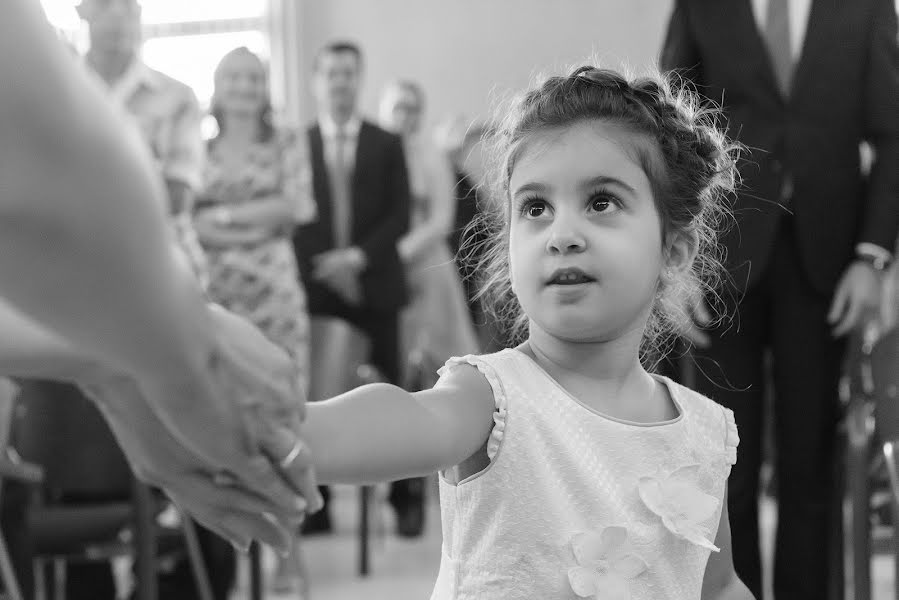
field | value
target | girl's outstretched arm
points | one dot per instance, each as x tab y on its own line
721	581
380	432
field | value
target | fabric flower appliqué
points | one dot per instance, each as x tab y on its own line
606	564
681	505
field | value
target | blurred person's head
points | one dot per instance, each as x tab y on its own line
336	78
241	91
460	137
113	25
402	107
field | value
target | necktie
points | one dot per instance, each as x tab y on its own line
777	36
340	191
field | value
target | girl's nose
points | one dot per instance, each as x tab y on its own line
564	239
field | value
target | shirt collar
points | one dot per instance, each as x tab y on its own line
137	75
329	127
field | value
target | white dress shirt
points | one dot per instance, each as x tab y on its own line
329	139
799	12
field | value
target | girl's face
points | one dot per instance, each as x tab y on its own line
585	237
401	111
240	86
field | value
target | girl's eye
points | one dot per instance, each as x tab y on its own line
533	208
603	203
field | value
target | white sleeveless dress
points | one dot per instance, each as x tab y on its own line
576	504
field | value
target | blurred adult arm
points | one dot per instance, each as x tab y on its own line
858	292
156	454
681	55
84	247
441	211
382	238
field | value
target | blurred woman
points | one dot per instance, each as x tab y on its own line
437	324
257	187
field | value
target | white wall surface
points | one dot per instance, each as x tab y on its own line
465	52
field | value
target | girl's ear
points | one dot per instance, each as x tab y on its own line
681	249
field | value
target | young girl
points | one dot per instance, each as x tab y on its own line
566	469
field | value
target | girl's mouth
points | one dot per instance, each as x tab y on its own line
569	276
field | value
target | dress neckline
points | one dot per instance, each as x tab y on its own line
669	385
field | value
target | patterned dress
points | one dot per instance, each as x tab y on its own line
261	281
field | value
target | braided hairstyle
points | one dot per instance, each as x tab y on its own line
689	162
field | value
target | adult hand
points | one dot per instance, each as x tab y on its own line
334	261
856	299
700	317
160	459
227	413
339	270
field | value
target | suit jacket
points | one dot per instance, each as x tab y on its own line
380	215
845	89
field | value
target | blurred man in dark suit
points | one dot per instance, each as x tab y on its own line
803	83
348	258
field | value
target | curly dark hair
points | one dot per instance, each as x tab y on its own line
691	183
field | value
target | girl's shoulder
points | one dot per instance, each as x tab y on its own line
709	419
478	374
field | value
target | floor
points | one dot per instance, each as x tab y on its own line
405	570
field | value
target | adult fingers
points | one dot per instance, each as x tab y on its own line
233	510
294	459
851	316
838	304
697	337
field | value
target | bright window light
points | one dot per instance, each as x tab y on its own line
204	30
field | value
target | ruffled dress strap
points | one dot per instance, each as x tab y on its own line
500	399
732	439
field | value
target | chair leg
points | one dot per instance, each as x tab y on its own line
59	579
10	582
40	579
364	529
892	468
145	542
255	571
860	430
195	555
837	580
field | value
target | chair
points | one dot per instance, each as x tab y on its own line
869	440
15	470
114	514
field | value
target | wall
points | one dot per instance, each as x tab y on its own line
467	52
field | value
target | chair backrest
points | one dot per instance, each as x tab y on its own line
7	411
338	351
884	365
60	429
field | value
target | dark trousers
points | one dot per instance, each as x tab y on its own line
781	315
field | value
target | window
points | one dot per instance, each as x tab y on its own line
203	30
